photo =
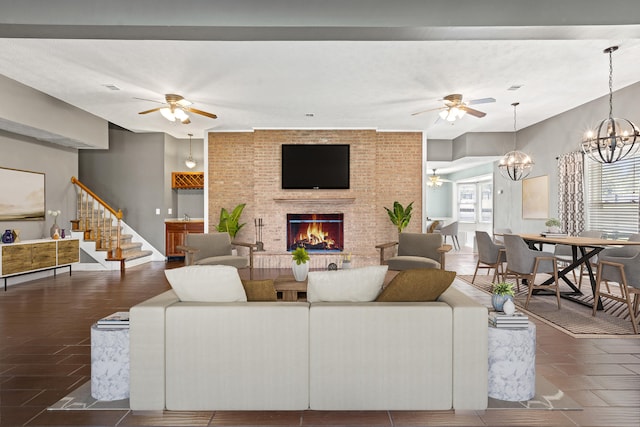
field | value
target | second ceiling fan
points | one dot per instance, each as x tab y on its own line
455	108
176	108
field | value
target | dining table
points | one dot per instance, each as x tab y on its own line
583	250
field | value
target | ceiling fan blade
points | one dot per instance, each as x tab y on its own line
150	100
426	111
151	111
473	112
203	113
481	101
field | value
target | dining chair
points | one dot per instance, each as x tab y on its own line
498	233
620	265
525	263
450	230
490	255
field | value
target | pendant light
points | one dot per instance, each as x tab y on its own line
434	181
190	163
515	165
614	138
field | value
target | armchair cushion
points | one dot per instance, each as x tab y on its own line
353	285
425	284
209	244
210	283
260	290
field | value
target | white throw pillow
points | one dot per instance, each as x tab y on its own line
353	285
207	283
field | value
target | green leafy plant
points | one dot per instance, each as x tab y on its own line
300	255
553	222
400	216
230	222
503	288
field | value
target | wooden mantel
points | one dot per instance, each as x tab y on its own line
318	200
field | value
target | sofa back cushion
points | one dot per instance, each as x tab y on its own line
352	285
423	284
206	283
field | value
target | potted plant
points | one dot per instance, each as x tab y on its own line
229	222
553	225
299	263
400	216
501	292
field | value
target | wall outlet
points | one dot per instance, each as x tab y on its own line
158	211
169	211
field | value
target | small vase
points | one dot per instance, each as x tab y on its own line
346	265
498	301
7	237
54	230
509	307
62	235
300	271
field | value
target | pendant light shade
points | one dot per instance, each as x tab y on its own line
190	163
515	165
434	181
614	138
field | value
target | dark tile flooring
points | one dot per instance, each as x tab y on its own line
45	353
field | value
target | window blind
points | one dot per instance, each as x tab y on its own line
613	190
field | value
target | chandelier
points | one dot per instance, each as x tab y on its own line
614	138
190	163
515	165
434	181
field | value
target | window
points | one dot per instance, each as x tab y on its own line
475	201
613	196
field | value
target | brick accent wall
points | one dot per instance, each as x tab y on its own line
244	167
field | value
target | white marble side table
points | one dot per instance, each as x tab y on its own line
109	363
512	363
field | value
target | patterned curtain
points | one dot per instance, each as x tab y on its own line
571	192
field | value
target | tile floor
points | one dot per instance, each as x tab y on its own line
45	353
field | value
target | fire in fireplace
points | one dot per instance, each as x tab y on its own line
315	232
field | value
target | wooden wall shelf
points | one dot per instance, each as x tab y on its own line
319	200
187	180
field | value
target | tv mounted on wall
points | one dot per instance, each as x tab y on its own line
315	166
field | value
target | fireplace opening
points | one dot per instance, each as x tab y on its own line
315	232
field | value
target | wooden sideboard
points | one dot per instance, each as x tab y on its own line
175	232
37	255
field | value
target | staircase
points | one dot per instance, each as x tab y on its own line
105	237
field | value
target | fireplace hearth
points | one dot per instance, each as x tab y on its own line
316	232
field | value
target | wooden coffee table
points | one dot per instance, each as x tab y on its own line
289	287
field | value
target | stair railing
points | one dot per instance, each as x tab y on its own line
95	218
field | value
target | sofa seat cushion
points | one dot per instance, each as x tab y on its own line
260	290
424	284
206	283
232	260
351	285
407	262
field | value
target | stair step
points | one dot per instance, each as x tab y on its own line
136	255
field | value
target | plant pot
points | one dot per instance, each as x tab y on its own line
553	229
300	271
498	301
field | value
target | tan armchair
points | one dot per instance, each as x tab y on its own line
415	250
215	249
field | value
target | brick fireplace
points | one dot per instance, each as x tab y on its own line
315	232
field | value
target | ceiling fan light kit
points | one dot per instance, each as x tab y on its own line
613	139
515	165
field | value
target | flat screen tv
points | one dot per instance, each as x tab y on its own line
315	166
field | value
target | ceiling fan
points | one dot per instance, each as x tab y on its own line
176	108
455	108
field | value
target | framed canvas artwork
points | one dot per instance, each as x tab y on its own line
21	195
535	197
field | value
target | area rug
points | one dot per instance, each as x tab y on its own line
80	400
548	397
573	318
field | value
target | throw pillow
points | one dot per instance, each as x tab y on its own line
353	285
422	284
207	283
260	290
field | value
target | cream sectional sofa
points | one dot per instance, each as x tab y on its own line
319	356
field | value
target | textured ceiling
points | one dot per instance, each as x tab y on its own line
371	78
